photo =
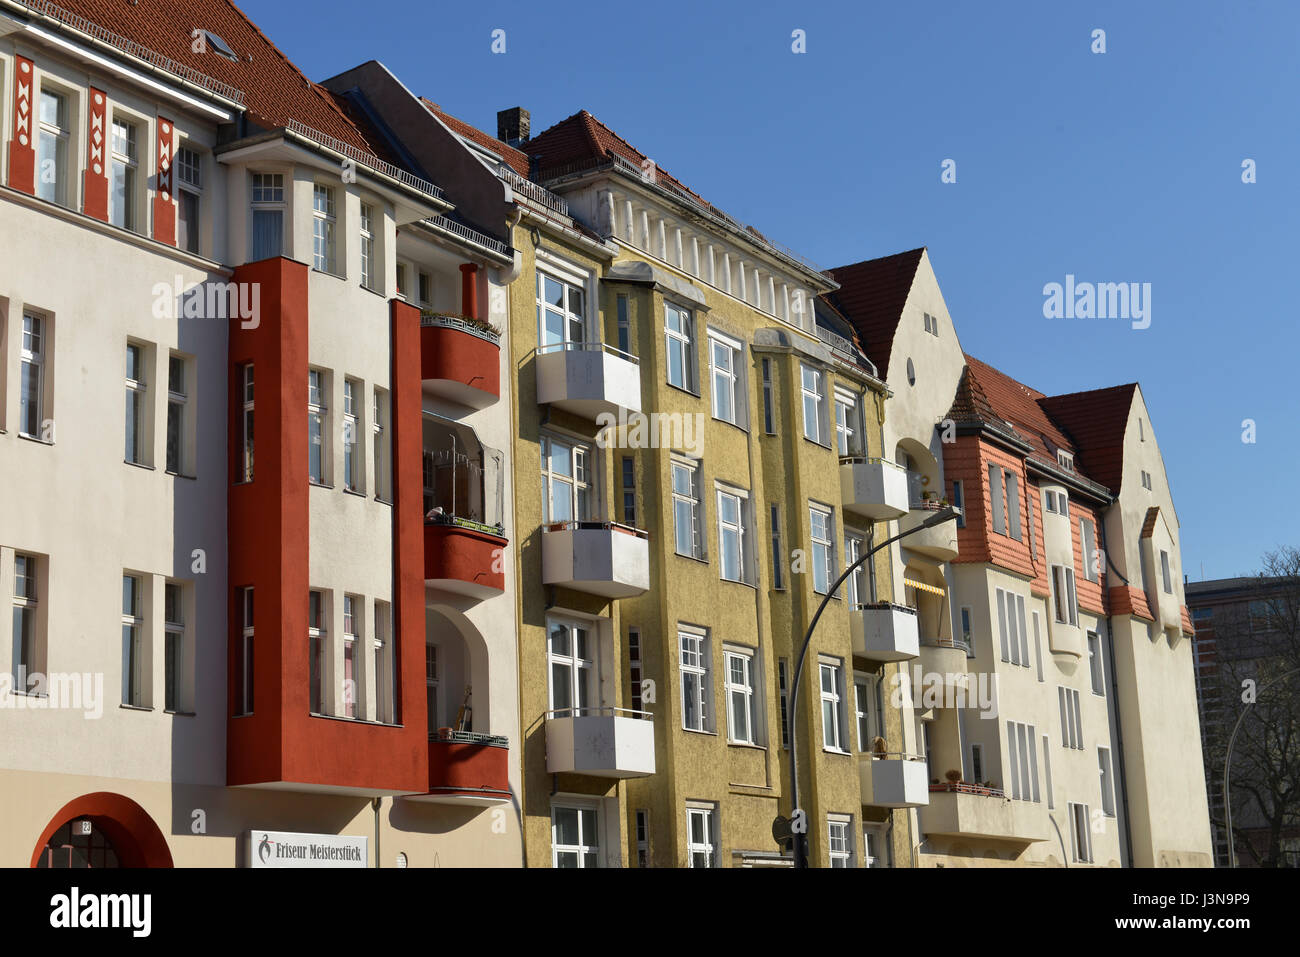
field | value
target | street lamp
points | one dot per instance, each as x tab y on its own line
1227	761
945	514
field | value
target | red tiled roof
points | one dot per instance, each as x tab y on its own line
515	159
1125	600
275	90
1149	525
872	294
1186	616
1096	420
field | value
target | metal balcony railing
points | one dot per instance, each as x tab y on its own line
598	526
587	347
597	712
475	327
961	787
534	191
470	737
472	236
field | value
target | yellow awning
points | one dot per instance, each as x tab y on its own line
922	586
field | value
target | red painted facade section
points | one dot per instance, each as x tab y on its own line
457	356
95	177
469	290
269	536
134	835
22	146
456	765
464	554
164	210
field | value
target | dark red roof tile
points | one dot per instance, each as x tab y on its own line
515	159
872	294
1096	420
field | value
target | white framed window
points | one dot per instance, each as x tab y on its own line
317	645
701	835
868	708
267	200
368	261
52	147
1038	646
834	737
965	619
25	607
174	646
679	343
1012	634
324	221
137	433
1107	783
352	457
848	423
353	607
742	712
855	585
778	557
1065	460
561	310
379	439
688	509
246	424
571	662
1088	541
813	389
695	666
317	426
822	528
1022	755
1058	503
996	497
424	288
932	324
133	673
124	173
177	414
566	480
839	839
575	835
624	325
1165	578
734	541
244	698
875	847
382	664
1095	664
1065	604
189	193
1146	479
33	360
1080	834
727	374
628	464
1071	719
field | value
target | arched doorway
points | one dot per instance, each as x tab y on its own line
120	833
456	672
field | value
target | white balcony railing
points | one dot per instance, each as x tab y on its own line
602	742
588	378
601	558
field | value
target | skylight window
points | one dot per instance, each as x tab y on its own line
210	41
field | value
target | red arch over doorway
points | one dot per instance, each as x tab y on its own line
135	836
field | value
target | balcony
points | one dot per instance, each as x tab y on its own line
600	558
873	488
587	378
967	810
893	779
939	542
464	557
945	657
467	769
884	631
601	742
460	360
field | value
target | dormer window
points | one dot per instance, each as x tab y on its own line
207	40
1065	460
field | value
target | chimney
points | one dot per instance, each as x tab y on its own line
512	126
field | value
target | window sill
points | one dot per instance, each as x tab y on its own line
711	734
192	478
746	745
33	438
134	707
180	714
29	694
373	292
734	581
679	388
820	445
846	754
314	484
359	493
693	558
735	425
139	465
383	501
365	721
326	272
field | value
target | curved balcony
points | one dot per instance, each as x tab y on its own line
588	378
945	657
464	557
892	779
468	769
874	488
460	360
883	631
939	542
602	742
968	810
601	558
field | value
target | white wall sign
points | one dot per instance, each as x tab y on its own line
285	849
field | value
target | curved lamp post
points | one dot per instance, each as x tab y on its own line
1227	761
938	518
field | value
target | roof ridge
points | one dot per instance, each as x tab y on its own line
879	259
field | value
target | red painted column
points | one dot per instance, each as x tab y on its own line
22	148
469	290
95	178
164	210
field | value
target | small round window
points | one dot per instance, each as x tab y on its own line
911	373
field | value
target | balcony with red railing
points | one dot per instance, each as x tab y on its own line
460	359
468	769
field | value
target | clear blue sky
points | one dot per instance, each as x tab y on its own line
1122	166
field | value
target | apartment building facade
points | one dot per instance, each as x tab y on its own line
218	654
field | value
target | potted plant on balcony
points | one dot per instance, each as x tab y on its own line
953	776
879	747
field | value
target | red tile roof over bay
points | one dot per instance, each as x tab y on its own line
275	90
515	159
1096	420
872	294
1017	403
